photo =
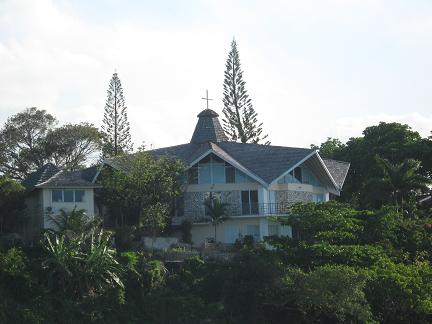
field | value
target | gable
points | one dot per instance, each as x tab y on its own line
266	161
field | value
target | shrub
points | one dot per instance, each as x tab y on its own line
329	294
186	227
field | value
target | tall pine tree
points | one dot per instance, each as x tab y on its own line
240	122
115	127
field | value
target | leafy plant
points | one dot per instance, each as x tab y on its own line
217	211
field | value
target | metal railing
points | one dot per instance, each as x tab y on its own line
250	209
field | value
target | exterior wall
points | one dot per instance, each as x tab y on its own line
270	201
55	207
194	202
285	197
232	229
200	232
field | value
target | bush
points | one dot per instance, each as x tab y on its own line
401	293
329	294
186	227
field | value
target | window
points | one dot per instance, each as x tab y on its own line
249	202
193	175
79	195
213	170
57	195
298	174
204	174
67	195
241	177
310	178
229	173
218	170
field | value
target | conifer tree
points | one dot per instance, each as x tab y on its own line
241	120
115	128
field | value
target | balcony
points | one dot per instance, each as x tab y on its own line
251	209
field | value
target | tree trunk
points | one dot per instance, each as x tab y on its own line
215	231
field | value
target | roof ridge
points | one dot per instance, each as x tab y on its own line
273	146
339	161
50	178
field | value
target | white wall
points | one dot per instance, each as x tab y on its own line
87	204
200	232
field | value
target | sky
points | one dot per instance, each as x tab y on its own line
313	69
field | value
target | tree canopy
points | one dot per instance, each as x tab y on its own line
115	127
30	139
144	181
240	120
393	142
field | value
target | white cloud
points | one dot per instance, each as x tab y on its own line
354	126
313	69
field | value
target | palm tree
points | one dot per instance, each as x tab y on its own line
400	180
217	211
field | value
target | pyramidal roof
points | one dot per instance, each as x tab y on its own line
208	128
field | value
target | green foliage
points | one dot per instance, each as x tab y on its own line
185	228
401	293
391	141
22	142
70	146
241	119
329	294
74	222
29	140
141	181
330	222
11	204
115	127
331	148
251	284
217	211
154	218
81	265
12	262
124	237
398	181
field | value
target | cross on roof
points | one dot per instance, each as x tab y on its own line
207	99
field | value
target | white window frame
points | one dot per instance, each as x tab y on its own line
62	198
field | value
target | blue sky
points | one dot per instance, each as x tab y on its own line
313	69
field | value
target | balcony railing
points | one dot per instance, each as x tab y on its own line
251	209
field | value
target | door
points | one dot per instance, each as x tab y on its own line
249	202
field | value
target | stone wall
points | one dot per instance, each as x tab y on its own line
286	197
194	202
233	199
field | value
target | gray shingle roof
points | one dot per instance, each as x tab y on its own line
39	176
50	176
81	178
338	170
208	128
265	162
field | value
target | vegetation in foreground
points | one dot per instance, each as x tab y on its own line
344	266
